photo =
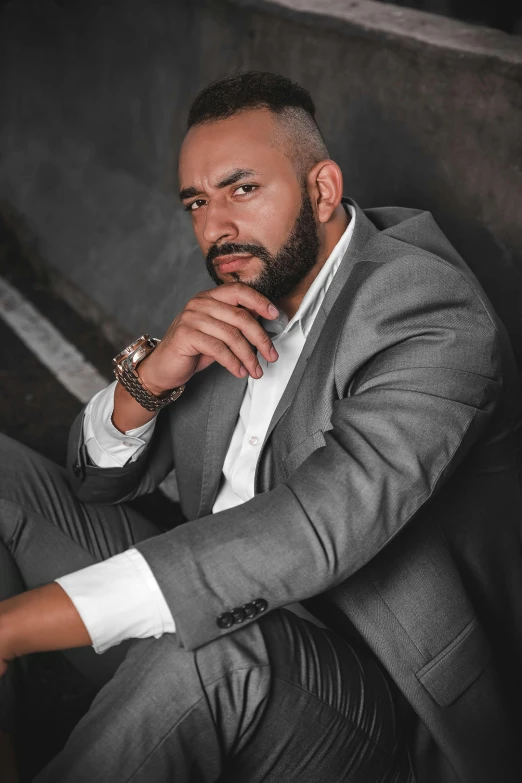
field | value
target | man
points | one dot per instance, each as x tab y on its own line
339	410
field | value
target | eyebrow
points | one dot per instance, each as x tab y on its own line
230	179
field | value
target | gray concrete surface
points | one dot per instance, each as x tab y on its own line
36	410
418	110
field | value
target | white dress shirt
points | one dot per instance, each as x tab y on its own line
120	597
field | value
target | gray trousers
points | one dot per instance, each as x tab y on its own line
278	700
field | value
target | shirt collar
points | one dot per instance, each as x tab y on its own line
313	298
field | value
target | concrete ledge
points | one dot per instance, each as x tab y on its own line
406	26
417	109
51	277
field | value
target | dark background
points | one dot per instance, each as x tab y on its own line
505	15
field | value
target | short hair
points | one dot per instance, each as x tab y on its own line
291	105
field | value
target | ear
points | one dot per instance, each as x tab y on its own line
325	187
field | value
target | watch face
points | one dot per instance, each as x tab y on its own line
130	349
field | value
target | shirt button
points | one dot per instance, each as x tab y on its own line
254	440
128	443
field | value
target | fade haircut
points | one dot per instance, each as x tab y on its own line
291	105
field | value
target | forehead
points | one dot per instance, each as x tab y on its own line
250	140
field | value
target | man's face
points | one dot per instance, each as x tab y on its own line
252	217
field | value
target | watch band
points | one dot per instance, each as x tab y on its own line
125	369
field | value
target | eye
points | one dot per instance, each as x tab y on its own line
246	189
199	202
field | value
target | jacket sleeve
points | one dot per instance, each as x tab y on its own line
424	393
92	484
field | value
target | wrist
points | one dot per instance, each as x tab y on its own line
149	379
125	366
128	414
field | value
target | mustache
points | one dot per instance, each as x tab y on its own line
230	248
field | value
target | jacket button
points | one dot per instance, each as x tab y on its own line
260	605
225	620
249	610
76	469
239	615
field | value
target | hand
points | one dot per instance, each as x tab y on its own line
217	325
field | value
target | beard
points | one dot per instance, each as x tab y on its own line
282	272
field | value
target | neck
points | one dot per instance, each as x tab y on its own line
331	234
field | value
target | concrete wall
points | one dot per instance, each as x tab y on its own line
419	110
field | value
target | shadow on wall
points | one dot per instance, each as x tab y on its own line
503	14
403	171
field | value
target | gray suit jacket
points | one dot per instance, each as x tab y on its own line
386	493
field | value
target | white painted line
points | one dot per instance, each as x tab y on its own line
73	371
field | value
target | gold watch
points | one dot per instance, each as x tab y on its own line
125	369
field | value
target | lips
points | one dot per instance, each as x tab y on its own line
231	263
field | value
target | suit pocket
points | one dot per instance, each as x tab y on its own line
453	670
303	450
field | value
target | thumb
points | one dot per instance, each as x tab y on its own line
203	362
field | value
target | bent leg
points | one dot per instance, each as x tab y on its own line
278	700
45	532
333	715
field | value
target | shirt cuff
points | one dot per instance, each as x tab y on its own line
106	446
119	599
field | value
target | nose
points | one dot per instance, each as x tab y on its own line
219	226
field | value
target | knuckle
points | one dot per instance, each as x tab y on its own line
185	315
182	326
218	346
259	298
250	357
243	315
196	302
247	292
232	332
185	324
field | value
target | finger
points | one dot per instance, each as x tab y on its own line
215	329
241	294
218	351
241	319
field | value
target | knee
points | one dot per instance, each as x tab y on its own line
27	479
242	649
19	463
220	667
14	456
12	470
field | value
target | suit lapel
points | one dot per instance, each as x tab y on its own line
227	391
225	402
363	231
